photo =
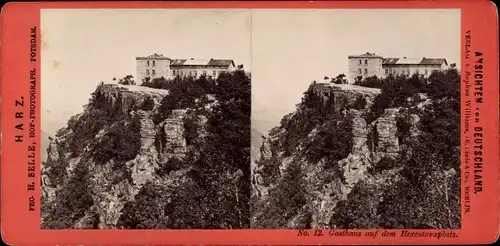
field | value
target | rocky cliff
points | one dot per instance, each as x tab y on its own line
172	154
106	155
316	163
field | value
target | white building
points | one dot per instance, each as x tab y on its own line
157	66
369	65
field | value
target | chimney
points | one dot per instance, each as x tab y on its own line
192	58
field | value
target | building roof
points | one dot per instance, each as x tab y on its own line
196	62
414	61
225	63
189	62
433	61
390	61
409	61
366	55
177	62
202	62
154	56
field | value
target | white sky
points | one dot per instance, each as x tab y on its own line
285	49
291	48
82	47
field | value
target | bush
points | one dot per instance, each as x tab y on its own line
209	198
404	126
184	93
360	103
372	82
359	211
73	201
148	104
286	200
127	80
190	129
122	142
334	141
172	164
386	163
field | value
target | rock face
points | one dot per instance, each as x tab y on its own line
343	94
325	182
386	130
112	182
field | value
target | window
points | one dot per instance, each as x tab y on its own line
366	62
195	73
154	63
394	71
360	62
154	72
147	63
426	71
173	72
386	71
147	72
416	71
205	72
366	71
359	70
214	73
190	73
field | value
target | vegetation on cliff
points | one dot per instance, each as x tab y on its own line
218	190
420	188
427	194
94	159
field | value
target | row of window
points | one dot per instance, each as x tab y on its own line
175	72
366	62
153	62
407	71
393	71
359	70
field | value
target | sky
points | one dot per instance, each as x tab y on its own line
284	49
291	48
80	48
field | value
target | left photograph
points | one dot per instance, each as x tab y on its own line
145	119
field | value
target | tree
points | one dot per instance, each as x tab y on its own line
340	79
127	80
360	103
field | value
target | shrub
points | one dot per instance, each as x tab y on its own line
209	198
122	142
73	201
172	164
184	93
148	104
334	141
372	82
127	80
404	127
360	103
190	129
385	163
359	211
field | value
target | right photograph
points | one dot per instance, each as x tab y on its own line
356	119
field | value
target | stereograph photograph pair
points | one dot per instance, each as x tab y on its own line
228	123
